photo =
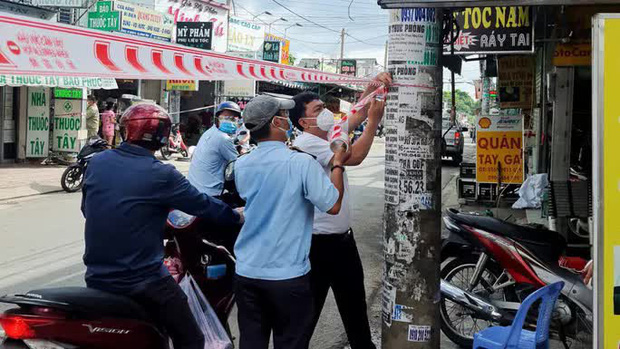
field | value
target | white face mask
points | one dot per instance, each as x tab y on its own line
325	120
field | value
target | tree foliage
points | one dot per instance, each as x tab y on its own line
464	103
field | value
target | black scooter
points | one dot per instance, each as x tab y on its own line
73	176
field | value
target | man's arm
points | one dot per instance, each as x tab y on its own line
324	193
181	195
228	150
381	79
337	178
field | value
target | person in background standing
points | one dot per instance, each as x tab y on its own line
92	116
108	120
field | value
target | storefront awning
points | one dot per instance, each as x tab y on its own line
58	81
33	47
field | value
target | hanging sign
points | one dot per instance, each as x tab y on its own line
239	88
515	81
566	55
67	125
38	123
32	47
69	93
181	85
195	34
606	179
271	51
348	67
487	30
285	46
499	142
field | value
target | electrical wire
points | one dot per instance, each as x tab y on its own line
349	10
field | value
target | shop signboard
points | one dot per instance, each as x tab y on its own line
606	179
60	3
499	141
198	11
195	34
38	123
515	81
131	19
285	46
58	81
239	88
572	54
348	67
244	35
491	30
462	3
68	117
68	93
271	51
16	8
181	85
106	21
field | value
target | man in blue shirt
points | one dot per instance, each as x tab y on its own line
126	198
214	150
281	188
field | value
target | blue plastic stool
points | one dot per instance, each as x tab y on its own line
515	336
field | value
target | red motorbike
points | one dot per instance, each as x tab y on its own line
175	144
490	266
78	317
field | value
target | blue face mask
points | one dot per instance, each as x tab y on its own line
289	132
228	126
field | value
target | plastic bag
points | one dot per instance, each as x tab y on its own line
215	334
531	192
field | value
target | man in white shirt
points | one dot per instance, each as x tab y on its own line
335	261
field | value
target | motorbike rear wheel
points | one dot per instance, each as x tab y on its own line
72	178
456	321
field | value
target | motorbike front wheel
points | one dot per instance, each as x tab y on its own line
457	322
165	152
72	178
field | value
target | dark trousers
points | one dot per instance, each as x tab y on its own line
284	307
166	302
336	263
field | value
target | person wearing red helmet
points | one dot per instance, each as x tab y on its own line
125	220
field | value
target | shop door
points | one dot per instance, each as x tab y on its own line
8	127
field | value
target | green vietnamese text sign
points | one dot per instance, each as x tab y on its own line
68	93
106	21
37	132
67	124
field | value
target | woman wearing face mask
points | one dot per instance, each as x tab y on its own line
335	261
214	150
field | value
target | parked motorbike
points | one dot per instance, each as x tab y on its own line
78	317
175	144
490	266
73	175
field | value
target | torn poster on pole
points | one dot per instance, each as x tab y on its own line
33	47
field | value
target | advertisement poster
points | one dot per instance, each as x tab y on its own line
271	51
198	11
515	82
131	19
244	35
606	179
493	29
67	125
285	46
195	34
348	67
38	124
499	148
572	54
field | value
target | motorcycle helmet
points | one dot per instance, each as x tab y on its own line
228	105
147	125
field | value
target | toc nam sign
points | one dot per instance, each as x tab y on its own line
465	3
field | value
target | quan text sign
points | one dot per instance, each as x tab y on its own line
493	29
499	153
195	34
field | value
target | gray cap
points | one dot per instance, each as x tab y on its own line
261	109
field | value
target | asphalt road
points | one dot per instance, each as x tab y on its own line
43	242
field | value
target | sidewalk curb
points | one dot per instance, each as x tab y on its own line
31	195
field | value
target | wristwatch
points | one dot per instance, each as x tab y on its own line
338	166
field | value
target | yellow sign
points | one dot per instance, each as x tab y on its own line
181	85
572	54
606	167
284	47
499	150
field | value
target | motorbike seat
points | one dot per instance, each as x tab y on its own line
92	301
550	242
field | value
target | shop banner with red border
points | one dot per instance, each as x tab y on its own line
33	47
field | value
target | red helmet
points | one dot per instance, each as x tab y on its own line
147	125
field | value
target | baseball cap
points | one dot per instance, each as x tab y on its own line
261	109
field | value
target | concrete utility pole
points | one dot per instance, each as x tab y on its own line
486	90
412	218
342	34
385	56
